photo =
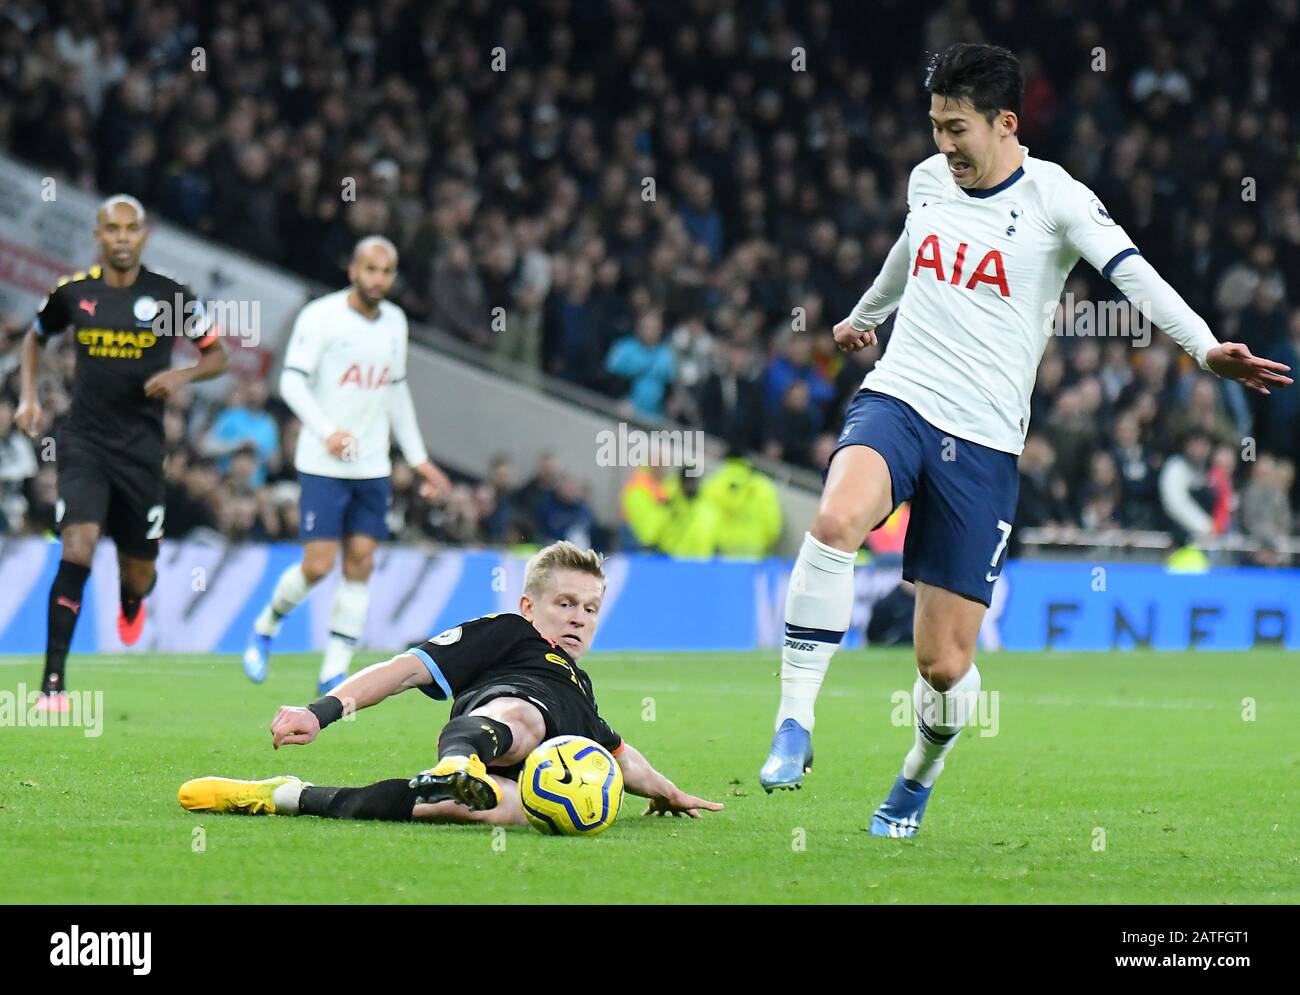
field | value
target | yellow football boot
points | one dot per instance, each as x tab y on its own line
459	779
226	794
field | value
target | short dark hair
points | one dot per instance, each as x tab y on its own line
986	75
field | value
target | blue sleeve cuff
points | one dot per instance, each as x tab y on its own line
1115	260
435	673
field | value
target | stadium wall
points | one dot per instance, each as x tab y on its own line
208	595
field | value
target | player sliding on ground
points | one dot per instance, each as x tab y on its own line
345	378
515	681
976	276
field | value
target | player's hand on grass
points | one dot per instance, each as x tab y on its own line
679	803
436	484
28	417
1233	361
342	445
849	339
294	725
163	385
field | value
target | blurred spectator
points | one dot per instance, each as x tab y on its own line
791	428
644	505
17	465
690	530
732	398
747	505
646	362
1265	508
565	514
793	364
460	304
1044	496
1184	494
191	485
244	423
1139	506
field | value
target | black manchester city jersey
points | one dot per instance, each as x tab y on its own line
124	335
505	649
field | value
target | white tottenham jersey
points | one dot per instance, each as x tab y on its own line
986	270
350	363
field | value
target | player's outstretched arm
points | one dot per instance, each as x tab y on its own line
639	778
1162	304
298	726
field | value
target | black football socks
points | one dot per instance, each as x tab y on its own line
64	607
131	601
391	801
475	734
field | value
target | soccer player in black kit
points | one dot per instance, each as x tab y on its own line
515	681
124	319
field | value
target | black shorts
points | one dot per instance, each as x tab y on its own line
563	717
125	498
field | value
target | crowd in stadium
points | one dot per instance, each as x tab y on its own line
674	203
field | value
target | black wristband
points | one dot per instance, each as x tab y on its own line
328	709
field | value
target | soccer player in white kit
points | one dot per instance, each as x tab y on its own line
991	235
345	378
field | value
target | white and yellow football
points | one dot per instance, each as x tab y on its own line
570	786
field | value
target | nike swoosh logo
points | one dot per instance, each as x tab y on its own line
991	578
568	774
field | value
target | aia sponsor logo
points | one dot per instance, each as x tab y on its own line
366	377
991	269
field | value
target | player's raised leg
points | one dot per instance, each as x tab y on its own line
79	541
819	602
944	698
500	733
137	577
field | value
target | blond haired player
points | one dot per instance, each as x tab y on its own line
515	681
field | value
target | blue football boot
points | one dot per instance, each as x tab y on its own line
790	759
900	814
257	657
329	684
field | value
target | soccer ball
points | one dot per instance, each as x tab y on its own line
570	786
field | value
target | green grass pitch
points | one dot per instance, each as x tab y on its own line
1128	778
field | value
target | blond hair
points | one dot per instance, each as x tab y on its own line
562	555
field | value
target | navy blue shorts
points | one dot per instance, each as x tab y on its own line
963	494
331	507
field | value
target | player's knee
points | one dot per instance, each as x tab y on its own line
527	729
359	566
839	528
943	666
79	542
316	564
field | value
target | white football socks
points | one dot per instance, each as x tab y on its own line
818	607
290	589
347	621
286	797
940	716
